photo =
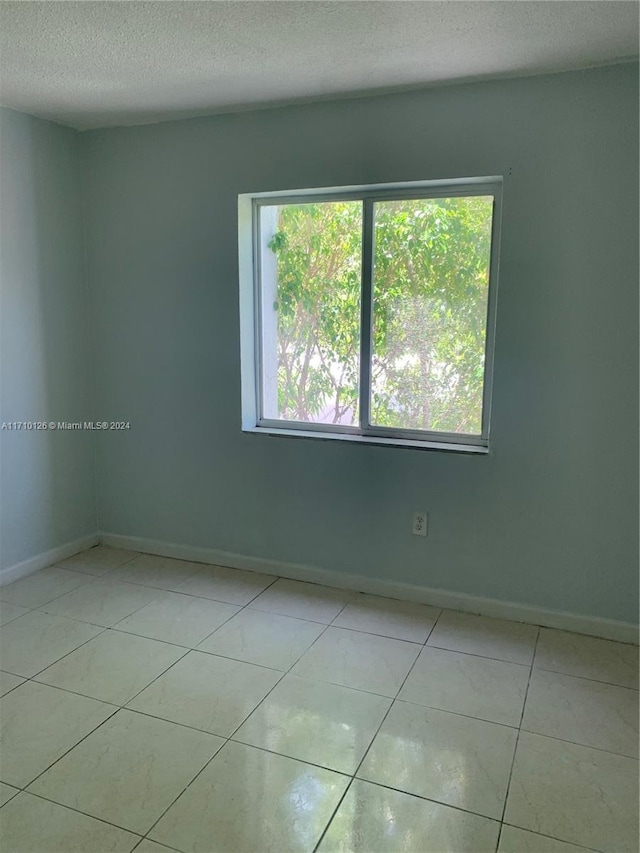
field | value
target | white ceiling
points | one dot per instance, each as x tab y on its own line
97	64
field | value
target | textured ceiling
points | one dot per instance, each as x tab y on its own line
97	64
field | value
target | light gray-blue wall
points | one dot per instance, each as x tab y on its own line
47	478
550	517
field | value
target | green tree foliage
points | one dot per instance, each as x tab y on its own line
431	275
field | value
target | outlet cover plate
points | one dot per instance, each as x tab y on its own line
420	523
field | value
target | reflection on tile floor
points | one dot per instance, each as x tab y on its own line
157	705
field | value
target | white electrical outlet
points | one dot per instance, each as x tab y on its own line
420	523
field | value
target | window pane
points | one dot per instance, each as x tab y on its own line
310	277
430	292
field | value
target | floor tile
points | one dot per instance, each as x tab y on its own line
321	723
574	793
36	640
467	684
193	663
40	587
112	667
207	692
98	560
402	620
157	572
8	612
484	636
363	661
514	840
588	657
9	682
371	818
38	724
102	602
181	619
129	770
445	757
267	639
247	800
224	584
147	846
587	712
31	825
303	600
6	792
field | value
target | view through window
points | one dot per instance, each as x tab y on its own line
375	312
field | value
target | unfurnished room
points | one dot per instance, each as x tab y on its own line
319	422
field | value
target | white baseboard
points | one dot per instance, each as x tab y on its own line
41	561
611	629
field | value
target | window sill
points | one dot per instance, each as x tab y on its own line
411	444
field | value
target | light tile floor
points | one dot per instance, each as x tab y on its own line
158	705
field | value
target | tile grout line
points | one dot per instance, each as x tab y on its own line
241	607
552	838
196	649
229	738
91	578
476	655
232	737
162	846
387	787
188	649
106	571
86	621
106	576
78	811
203	566
371	742
453	713
288	615
104	629
584	745
66	752
304	762
586	678
116	707
353	594
140	554
160	592
67	690
428	800
285	672
515	748
13	618
57	660
197	597
300	619
39	609
111	548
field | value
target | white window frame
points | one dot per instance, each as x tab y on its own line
249	248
